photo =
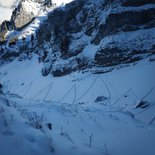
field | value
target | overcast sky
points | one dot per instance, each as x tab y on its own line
6	7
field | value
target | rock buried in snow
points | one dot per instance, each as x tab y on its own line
142	104
101	99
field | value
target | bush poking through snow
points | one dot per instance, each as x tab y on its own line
50	140
36	121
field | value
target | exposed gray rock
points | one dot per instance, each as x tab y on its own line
4	28
125	21
26	11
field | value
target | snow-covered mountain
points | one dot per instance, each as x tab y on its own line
6	7
77	77
81	34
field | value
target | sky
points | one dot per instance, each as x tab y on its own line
7	6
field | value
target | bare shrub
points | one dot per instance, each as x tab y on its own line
50	142
36	120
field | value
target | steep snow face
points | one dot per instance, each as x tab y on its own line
82	34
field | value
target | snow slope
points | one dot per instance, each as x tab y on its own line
90	114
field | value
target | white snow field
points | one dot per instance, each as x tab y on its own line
80	114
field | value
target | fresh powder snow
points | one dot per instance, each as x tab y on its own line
81	113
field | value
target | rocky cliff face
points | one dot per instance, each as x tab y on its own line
23	15
26	12
101	33
4	28
86	34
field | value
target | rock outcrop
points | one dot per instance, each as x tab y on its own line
121	31
4	28
25	12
